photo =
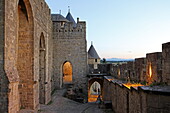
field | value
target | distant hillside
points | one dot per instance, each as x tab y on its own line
118	60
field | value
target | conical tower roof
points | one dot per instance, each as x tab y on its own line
58	18
71	19
92	53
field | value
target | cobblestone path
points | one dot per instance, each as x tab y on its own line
61	104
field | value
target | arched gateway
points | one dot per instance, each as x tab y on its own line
95	87
67	72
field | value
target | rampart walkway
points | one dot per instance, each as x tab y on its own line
61	104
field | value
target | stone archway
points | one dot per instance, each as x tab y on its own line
42	75
25	54
93	97
67	72
95	88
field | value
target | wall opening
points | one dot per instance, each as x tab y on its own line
42	76
94	89
25	54
67	73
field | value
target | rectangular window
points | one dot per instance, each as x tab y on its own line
95	60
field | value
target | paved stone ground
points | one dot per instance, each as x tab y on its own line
61	104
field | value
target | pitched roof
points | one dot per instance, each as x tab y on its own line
71	19
58	18
92	53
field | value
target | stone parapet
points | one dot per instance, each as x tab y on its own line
142	99
166	62
154	67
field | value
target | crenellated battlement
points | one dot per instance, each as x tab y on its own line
67	26
64	28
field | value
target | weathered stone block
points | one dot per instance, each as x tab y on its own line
166	62
154	67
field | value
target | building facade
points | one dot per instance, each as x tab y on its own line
69	45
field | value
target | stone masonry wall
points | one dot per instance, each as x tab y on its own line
134	97
120	97
115	71
93	61
140	69
69	44
123	71
106	90
157	103
39	12
137	100
42	25
102	68
121	100
166	62
3	79
131	70
154	61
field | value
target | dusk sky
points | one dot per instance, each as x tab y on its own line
121	28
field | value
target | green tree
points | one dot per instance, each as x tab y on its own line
104	60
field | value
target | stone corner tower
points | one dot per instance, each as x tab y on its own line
93	57
93	60
69	52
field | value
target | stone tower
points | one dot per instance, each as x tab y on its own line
93	57
69	47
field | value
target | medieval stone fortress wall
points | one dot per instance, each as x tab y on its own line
150	69
26	55
34	50
41	52
140	86
69	45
